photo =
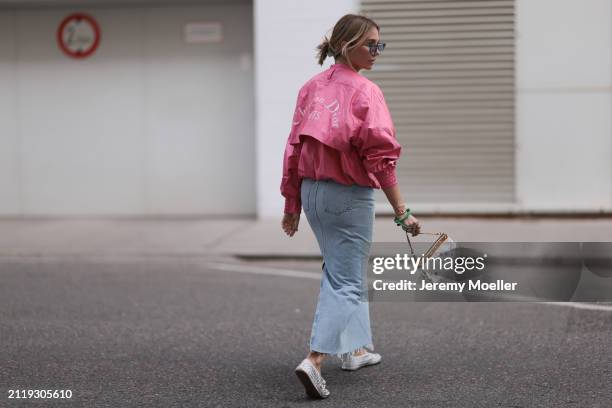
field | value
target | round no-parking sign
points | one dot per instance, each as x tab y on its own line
78	35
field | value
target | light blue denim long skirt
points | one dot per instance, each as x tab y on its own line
342	219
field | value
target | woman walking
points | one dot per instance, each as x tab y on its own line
341	147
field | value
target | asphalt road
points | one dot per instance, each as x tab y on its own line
175	333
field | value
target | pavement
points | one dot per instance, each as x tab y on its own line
164	332
217	313
259	238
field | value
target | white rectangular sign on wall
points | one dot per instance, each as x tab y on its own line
203	32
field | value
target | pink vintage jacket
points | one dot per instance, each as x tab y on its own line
342	130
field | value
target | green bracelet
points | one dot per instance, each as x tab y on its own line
399	220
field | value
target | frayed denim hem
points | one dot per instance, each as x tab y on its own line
342	354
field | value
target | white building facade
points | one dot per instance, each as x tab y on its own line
562	101
161	120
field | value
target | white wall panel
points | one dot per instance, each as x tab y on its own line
81	120
199	113
565	152
9	128
286	34
564	44
564	105
147	125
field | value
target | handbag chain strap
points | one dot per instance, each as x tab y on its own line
441	239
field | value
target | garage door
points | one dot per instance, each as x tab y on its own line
448	77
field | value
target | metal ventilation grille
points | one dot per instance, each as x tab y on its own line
448	77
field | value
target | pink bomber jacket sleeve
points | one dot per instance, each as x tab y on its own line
291	183
376	141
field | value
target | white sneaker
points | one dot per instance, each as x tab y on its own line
311	379
353	362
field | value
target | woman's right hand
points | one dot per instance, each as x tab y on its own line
411	225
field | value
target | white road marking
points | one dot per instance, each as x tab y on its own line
257	270
585	306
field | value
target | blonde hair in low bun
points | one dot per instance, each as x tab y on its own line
324	50
349	29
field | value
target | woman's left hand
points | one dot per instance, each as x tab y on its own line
290	223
